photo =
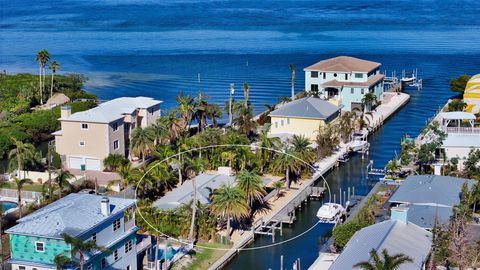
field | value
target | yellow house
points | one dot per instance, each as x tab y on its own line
302	117
87	137
471	96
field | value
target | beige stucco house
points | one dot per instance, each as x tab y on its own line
87	137
302	117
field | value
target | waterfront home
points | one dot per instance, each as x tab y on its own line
302	117
110	222
345	80
205	183
471	96
87	137
430	198
397	236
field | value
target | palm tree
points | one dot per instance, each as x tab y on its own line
81	247
161	133
142	142
200	107
194	167
292	71
265	142
62	180
368	100
114	161
60	260
19	183
346	125
388	263
251	185
53	66
214	112
228	156
42	57
393	166
289	163
172	123
246	91
229	202
161	175
21	154
302	149
128	174
278	185
244	119
186	107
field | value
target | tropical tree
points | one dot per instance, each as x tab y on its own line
80	247
214	112
327	140
194	167
128	174
53	66
60	260
393	166
42	57
456	105
228	202
292	71
458	84
228	156
246	92
288	162
251	185
186	107
266	143
302	149
62	180
388	262
113	161
278	185
19	183
346	125
21	154
142	142
368	100
161	133
200	111
244	119
172	123
160	173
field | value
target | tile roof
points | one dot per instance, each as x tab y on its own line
307	107
73	214
337	84
184	194
114	109
344	64
430	190
394	236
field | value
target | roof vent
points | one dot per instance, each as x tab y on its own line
105	206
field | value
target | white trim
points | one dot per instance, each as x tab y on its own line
81	126
43	246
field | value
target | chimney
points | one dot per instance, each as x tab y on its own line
105	206
65	112
400	213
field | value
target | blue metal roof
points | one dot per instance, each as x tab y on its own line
308	107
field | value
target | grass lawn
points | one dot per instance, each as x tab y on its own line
205	257
34	187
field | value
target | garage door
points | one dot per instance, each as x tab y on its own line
92	164
75	162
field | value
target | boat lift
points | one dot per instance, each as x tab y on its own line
411	79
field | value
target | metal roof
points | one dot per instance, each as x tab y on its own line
307	107
113	110
430	190
73	214
458	116
394	236
184	194
343	64
425	216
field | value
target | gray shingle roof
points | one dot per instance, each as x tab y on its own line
73	214
395	236
307	107
430	190
113	109
184	193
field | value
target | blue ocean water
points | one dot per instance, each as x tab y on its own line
158	48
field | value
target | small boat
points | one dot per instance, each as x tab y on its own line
359	143
330	213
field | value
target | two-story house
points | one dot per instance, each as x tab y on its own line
87	137
345	80
110	222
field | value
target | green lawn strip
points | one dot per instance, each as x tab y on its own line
205	257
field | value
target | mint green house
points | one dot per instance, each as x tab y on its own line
110	222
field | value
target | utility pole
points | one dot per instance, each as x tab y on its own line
230	114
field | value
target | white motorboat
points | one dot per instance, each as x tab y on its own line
330	212
359	142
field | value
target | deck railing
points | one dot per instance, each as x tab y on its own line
26	195
465	130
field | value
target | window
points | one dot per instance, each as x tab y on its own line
335	75
22	268
363	91
39	247
34	268
128	267
288	121
115	144
128	246
276	124
281	123
115	255
352	90
104	263
94	237
116	225
81	143
324	75
314	87
84	126
115	126
358	75
346	76
314	74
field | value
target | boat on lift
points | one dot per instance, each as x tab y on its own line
359	142
330	213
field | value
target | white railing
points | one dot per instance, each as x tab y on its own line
144	244
466	130
26	195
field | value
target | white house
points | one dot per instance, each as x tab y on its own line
345	80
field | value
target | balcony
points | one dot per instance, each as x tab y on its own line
461	130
